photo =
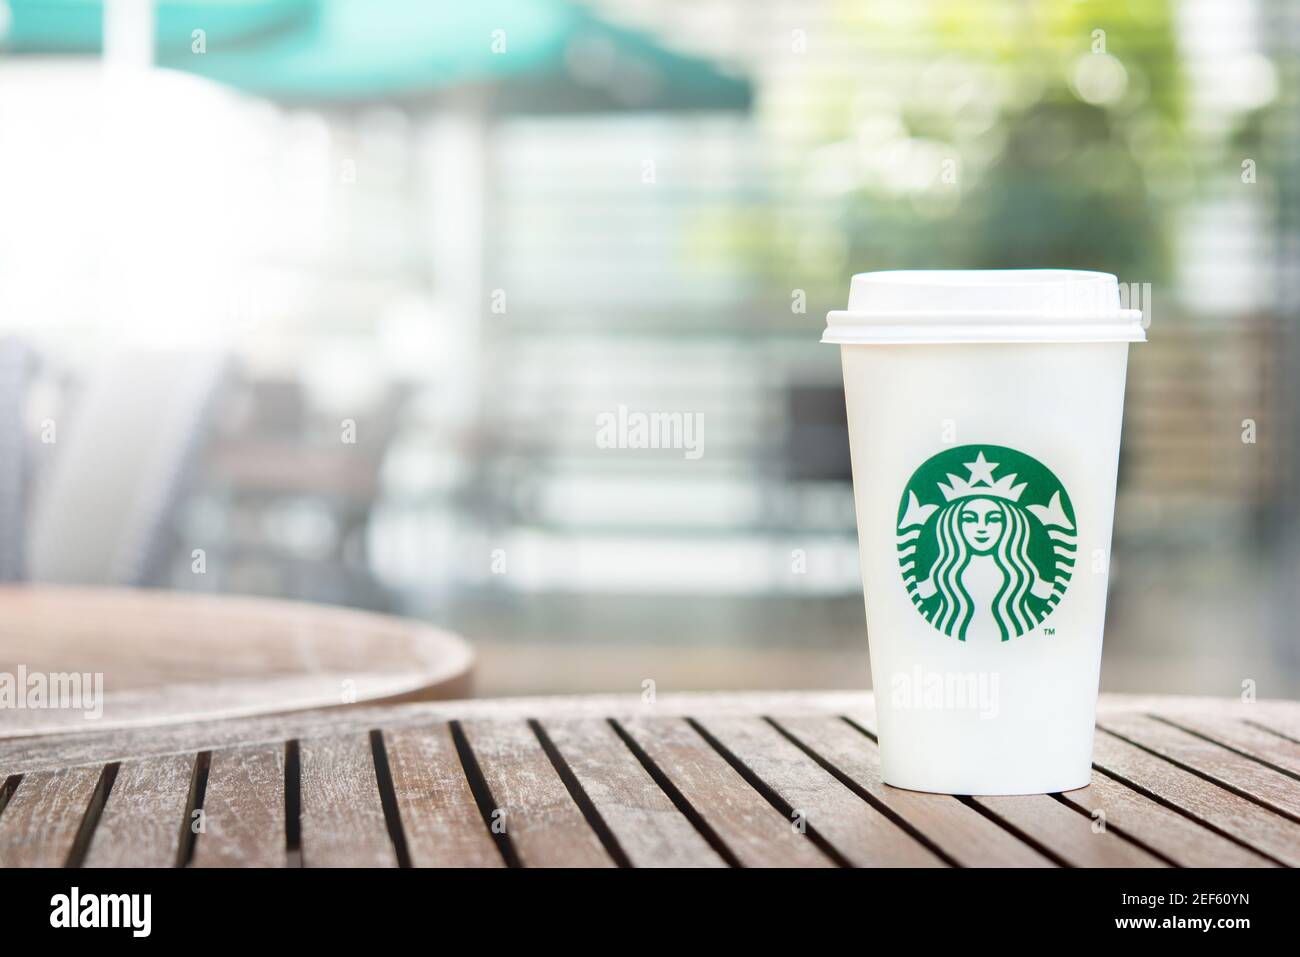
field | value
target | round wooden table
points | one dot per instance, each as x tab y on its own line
163	657
774	779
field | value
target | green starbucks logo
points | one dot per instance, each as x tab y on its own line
986	542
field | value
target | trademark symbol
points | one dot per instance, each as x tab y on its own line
1049	631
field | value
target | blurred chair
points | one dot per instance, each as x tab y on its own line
105	512
17	362
289	460
816	446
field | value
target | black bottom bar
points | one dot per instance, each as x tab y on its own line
341	907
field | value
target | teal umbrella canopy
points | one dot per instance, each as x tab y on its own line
533	55
76	26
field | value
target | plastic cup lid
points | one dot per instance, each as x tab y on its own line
974	305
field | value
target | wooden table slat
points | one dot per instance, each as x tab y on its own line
441	820
747	824
648	827
342	819
1249	739
1067	833
958	830
43	816
144	817
545	824
243	810
1282	721
1231	814
856	829
1258	781
18	755
1177	837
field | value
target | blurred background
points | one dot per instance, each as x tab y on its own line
323	300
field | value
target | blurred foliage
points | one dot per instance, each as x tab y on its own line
982	134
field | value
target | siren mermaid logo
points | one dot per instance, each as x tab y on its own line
986	542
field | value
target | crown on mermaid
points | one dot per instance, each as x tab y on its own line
980	484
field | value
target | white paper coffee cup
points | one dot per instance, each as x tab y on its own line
984	412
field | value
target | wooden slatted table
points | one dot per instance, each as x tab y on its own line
786	779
